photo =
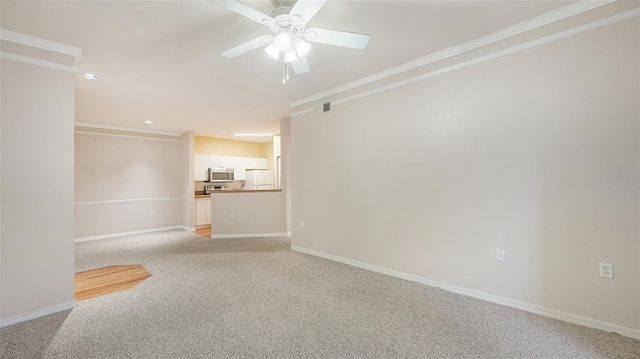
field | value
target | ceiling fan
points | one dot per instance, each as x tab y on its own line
290	38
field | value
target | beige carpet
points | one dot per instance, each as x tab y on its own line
239	298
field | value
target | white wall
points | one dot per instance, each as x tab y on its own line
524	152
286	161
36	235
187	141
254	214
120	180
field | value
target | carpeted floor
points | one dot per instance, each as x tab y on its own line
256	298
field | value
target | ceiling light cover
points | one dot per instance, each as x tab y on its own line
272	51
290	56
148	122
302	47
89	76
283	41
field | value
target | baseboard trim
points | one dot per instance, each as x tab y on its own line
122	234
248	235
190	229
532	308
15	319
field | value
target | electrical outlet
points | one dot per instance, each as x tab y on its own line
301	224
231	215
150	213
606	270
501	255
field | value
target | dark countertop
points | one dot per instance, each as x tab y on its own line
200	194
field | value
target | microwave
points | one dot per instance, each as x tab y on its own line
220	175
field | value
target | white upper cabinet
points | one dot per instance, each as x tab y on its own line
239	167
215	161
227	162
256	163
202	163
200	167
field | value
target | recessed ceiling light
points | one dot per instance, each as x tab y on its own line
89	76
253	134
147	121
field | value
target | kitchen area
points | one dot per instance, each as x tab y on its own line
238	188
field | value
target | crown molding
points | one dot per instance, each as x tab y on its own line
37	62
302	112
149	138
37	42
527	25
511	50
118	128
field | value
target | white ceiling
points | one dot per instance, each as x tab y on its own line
159	60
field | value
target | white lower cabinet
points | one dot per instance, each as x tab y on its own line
203	211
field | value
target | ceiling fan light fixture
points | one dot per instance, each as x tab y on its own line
272	51
282	42
290	56
302	47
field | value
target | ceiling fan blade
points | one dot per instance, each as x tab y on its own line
244	10
301	66
247	46
338	38
306	9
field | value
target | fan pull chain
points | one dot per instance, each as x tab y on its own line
285	71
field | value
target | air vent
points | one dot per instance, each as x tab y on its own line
323	107
326	107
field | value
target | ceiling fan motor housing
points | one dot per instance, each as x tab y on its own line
282	20
289	3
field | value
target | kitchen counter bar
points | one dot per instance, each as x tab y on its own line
200	194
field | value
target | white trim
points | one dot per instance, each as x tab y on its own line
48	45
128	200
248	235
525	46
528	307
37	62
130	233
118	128
190	229
527	25
288	234
302	112
127	136
14	319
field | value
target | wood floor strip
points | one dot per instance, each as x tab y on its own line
204	232
98	282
